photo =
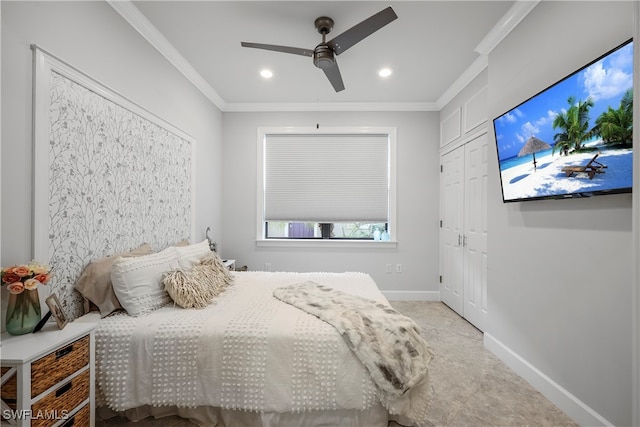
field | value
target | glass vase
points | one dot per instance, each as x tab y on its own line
23	312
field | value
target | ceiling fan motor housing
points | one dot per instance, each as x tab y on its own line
323	56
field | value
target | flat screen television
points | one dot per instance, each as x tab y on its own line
574	138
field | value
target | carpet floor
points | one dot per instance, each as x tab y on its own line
471	386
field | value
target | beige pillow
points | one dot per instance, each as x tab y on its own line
95	281
196	287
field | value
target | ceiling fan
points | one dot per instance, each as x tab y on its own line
324	54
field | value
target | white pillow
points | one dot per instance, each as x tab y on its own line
188	256
137	282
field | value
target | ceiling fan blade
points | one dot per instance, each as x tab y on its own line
285	49
364	29
334	76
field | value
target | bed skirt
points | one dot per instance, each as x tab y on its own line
376	416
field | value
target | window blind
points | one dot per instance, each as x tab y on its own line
326	178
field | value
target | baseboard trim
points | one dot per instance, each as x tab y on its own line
559	396
412	295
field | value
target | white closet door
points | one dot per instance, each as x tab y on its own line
451	229
475	232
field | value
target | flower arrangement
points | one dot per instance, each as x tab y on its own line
26	276
23	308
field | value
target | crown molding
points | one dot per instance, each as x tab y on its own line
505	25
461	82
142	25
331	106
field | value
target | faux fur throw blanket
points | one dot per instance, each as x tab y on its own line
387	343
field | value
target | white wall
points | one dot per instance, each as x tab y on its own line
560	272
92	37
417	195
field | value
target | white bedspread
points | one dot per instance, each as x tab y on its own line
247	351
387	343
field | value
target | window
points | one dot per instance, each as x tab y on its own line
318	230
335	184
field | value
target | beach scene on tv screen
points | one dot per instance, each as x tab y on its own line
574	138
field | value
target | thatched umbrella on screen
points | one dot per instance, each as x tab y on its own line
532	146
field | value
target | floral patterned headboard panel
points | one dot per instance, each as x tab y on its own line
108	176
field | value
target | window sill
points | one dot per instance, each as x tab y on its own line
326	243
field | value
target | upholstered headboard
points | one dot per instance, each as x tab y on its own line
108	175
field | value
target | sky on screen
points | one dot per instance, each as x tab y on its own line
605	82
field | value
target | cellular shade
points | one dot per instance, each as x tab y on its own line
327	178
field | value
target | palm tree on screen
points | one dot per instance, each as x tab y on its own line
616	126
574	126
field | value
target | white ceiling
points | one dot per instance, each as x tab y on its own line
432	48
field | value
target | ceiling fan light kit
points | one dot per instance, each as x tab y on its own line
324	54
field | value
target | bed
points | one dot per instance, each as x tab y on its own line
110	175
246	359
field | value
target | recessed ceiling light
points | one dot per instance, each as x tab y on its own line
384	72
267	74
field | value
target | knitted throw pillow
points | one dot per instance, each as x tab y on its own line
217	266
196	287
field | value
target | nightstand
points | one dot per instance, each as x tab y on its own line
48	377
230	264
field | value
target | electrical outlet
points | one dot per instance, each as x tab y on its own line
388	269
267	266
398	268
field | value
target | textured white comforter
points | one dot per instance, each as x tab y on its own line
246	351
387	343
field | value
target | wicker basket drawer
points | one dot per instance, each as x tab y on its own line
58	365
79	419
62	400
9	390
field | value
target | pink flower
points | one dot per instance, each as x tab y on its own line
42	278
22	270
16	287
10	277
